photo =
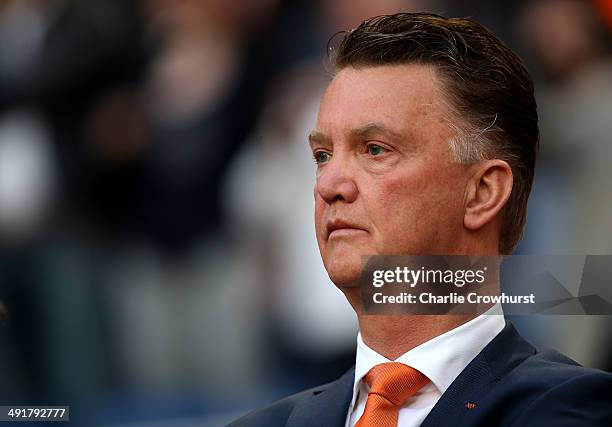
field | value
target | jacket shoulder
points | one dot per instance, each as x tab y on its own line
549	369
518	365
552	389
570	395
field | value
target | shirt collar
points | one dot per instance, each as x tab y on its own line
442	358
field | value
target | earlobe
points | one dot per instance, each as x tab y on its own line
487	193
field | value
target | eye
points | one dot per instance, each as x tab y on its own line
375	149
321	157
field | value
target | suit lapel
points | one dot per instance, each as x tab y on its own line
499	357
469	387
327	407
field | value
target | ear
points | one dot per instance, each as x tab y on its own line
487	192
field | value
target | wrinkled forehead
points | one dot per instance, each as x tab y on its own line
406	99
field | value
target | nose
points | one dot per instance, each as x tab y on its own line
335	181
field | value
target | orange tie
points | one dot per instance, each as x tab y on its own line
391	384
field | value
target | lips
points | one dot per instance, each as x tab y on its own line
342	227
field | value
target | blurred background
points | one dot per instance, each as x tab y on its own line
158	264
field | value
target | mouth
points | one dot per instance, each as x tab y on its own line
339	228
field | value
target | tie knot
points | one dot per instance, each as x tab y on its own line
395	381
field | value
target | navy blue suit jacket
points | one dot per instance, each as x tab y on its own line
509	383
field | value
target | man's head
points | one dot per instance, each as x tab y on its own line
425	142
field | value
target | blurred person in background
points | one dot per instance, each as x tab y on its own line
132	112
571	50
59	58
451	176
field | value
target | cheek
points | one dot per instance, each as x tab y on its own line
319	217
318	211
403	195
413	206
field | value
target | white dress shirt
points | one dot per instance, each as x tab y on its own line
441	359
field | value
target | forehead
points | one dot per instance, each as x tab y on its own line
401	97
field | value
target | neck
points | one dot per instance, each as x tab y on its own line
392	335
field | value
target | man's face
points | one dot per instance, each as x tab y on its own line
386	180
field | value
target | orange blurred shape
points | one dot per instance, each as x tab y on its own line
604	8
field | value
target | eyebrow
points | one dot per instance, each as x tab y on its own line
316	137
367	131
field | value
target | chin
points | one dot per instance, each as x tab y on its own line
344	271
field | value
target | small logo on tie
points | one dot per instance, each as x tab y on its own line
470	405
